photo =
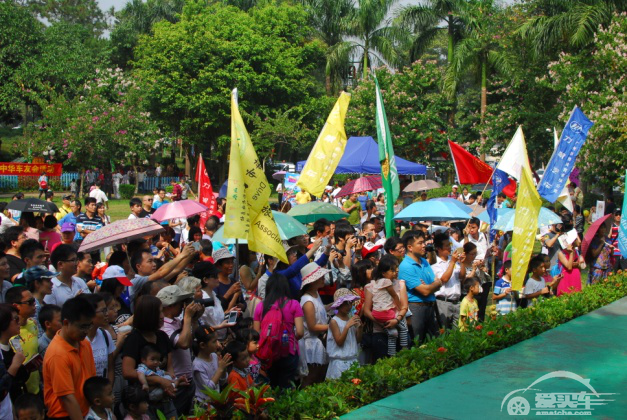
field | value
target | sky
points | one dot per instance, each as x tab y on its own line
106	4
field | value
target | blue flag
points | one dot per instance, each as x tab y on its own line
499	182
622	228
563	160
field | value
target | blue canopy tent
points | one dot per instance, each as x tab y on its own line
361	156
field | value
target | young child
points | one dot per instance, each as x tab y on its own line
536	286
29	407
551	276
135	402
209	367
74	188
386	304
250	337
342	344
50	321
503	293
240	376
98	392
149	366
469	308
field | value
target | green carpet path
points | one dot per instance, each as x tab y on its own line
591	346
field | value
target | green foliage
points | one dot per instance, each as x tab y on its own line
86	13
595	80
189	68
363	385
415	107
127	191
106	122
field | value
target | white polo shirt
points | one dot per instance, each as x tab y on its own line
482	245
452	288
62	292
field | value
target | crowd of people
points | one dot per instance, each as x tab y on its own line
148	325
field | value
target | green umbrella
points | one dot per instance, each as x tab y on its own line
315	210
288	226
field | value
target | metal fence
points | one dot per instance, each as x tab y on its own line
14	183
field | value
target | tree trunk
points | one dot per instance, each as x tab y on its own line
484	102
450	54
327	81
365	69
81	191
136	179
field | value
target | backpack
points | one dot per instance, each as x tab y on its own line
43	185
273	327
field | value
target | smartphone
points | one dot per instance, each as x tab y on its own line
16	343
325	241
231	317
196	246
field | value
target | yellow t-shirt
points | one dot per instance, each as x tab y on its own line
30	347
468	309
303	197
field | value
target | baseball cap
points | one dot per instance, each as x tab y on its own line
67	197
68	227
170	295
36	273
116	272
369	248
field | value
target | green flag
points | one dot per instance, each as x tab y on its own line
389	174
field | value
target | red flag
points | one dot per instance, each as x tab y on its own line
471	170
205	192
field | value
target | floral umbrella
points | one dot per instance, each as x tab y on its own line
120	232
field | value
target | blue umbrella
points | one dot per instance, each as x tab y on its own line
472	211
434	210
223	190
505	220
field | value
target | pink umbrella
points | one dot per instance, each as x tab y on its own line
366	183
178	209
120	232
591	233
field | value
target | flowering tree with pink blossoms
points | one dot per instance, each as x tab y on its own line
105	123
596	80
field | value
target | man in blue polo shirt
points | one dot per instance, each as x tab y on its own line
421	285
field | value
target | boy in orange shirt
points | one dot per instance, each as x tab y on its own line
240	375
69	362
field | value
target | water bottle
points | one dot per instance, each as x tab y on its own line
285	339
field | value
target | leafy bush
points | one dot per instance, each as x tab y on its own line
362	385
127	191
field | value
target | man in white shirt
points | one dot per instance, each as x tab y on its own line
478	238
450	270
117	178
100	196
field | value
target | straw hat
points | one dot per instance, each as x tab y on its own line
343	295
312	272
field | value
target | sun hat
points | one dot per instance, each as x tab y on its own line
116	272
36	273
221	254
454	186
68	227
369	248
189	284
311	272
173	294
343	295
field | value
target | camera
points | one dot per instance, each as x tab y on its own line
205	302
361	238
430	248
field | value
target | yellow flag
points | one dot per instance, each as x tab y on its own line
248	215
327	151
525	227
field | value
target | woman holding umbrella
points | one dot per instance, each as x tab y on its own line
600	254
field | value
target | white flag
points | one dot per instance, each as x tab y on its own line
515	156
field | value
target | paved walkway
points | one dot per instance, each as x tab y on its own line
593	346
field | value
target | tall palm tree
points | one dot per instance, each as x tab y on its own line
328	18
477	50
369	39
428	20
569	22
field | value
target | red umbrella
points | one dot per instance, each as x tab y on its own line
366	183
591	233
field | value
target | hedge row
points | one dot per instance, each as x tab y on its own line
363	385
